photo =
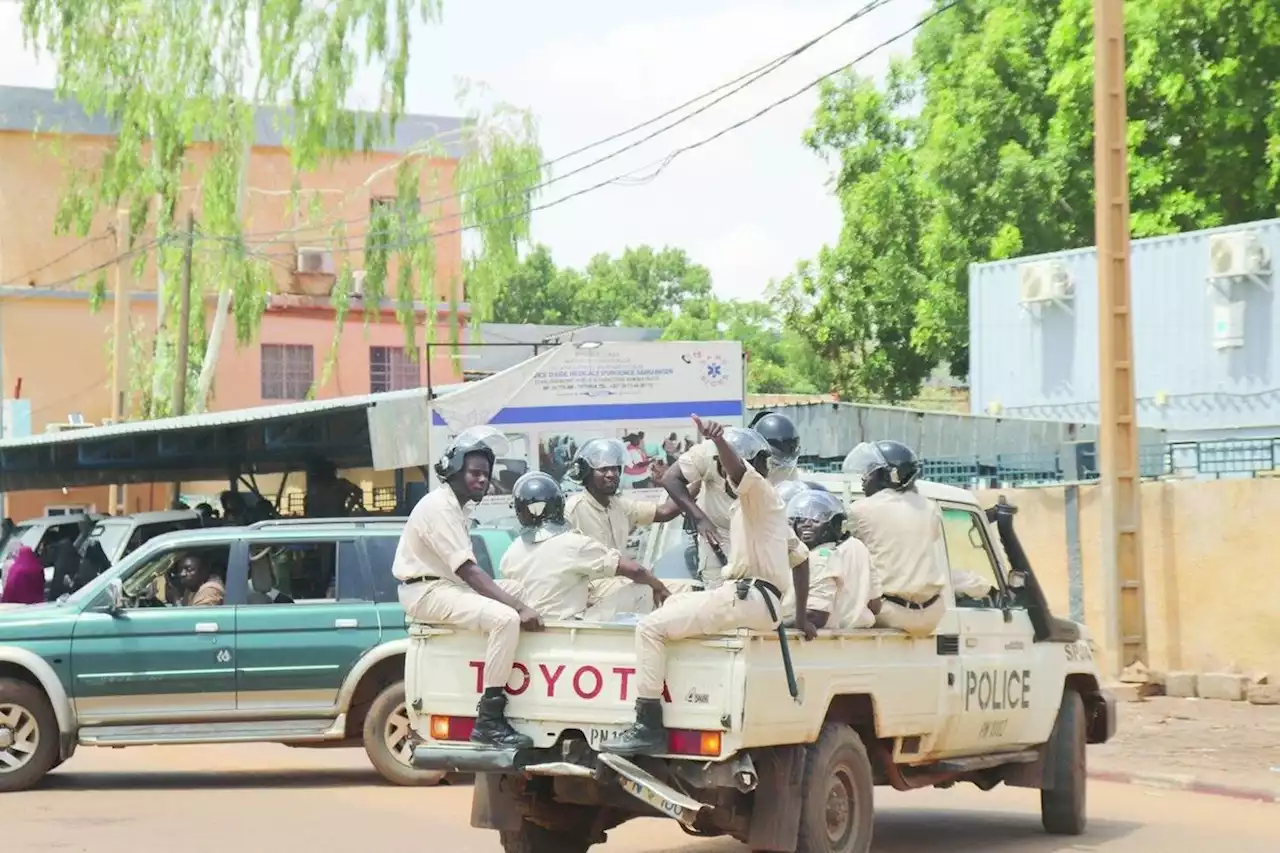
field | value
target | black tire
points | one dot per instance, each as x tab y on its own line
1062	806
837	812
387	722
531	838
29	729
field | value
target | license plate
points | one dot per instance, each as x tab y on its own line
597	737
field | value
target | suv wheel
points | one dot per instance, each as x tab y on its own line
28	735
389	740
836	813
1062	806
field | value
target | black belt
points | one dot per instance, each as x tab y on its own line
771	592
907	603
420	579
744	585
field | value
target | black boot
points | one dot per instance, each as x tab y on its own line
647	736
492	728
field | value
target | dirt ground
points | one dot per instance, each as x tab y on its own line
1232	743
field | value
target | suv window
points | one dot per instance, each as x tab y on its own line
156	583
292	572
487	544
973	567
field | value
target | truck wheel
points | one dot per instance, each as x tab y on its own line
28	735
836	814
1062	806
531	838
389	741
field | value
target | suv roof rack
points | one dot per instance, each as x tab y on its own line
357	521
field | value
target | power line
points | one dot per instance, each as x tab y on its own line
18	279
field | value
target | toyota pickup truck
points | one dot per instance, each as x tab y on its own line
1004	692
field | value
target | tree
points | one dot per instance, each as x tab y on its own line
173	82
981	148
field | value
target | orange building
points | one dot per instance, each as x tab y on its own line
55	351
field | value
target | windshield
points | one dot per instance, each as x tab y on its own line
111	537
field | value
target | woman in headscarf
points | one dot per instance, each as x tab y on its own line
24	581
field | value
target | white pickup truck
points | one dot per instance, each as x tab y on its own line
1004	692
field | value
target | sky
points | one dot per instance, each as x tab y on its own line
748	206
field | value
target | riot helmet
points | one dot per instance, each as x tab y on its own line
817	517
750	446
538	500
484	440
783	438
788	489
600	454
882	465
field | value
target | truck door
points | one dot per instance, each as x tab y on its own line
998	689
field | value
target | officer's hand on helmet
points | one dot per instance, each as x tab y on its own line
708	429
804	626
529	619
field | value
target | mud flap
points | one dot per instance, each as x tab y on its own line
651	791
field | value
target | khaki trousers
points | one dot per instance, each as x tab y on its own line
454	605
692	614
917	623
611	597
709	565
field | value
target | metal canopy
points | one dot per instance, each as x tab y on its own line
214	446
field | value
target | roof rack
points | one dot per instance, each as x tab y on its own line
356	521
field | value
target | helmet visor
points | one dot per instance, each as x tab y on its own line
747	443
819	507
788	489
862	460
604	453
480	438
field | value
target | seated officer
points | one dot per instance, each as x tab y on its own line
843	589
552	566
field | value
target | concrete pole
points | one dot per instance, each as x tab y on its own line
184	332
120	344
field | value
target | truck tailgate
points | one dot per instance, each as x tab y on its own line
572	677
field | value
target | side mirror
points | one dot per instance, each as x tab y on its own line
1017	579
115	596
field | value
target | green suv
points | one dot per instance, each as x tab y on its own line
307	649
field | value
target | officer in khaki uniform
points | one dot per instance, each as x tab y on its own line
758	566
700	467
441	584
554	567
903	531
843	586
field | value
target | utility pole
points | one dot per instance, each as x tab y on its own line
1117	409
184	332
119	363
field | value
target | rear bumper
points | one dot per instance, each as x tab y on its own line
464	758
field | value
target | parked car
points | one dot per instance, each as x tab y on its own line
307	649
41	535
121	535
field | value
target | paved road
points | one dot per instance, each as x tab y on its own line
231	799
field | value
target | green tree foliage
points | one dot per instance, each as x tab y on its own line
980	147
664	290
177	79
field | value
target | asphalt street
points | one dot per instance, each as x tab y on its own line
239	799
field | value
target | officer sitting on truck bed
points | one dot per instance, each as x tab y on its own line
903	531
843	587
756	578
553	566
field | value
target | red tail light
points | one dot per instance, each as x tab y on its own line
452	728
689	742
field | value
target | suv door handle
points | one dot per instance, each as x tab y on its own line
346	623
206	627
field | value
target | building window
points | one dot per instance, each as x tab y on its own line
392	369
288	370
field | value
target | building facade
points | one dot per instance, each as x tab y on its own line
55	351
1205	322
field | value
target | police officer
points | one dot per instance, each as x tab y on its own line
554	565
903	531
842	583
441	584
758	575
700	467
599	511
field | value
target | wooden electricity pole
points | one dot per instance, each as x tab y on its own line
1117	410
184	332
120	343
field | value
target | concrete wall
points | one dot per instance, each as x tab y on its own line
1212	590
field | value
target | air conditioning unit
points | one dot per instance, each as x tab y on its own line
66	427
1044	281
315	261
1238	254
357	284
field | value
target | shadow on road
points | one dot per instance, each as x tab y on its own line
219	780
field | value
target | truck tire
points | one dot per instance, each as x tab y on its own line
531	838
1062	807
388	740
836	814
28	735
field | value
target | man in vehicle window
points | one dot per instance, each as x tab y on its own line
441	584
843	587
757	576
201	587
903	531
710	513
555	566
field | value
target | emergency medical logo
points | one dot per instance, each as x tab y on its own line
713	368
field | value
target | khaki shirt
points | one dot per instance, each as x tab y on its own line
609	525
841	583
759	535
970	585
210	594
436	541
903	532
555	575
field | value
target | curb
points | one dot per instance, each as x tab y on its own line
1189	784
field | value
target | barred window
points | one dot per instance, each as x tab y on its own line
392	369
288	371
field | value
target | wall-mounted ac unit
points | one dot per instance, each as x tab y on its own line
1238	254
357	283
66	427
315	261
1044	281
